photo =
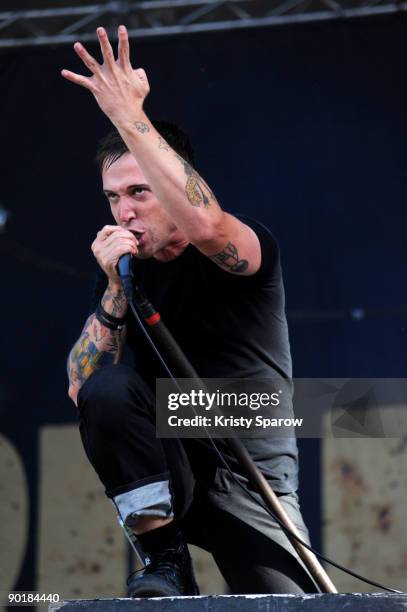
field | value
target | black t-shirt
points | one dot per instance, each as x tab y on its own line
228	325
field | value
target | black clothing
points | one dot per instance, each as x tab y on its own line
117	427
229	326
170	571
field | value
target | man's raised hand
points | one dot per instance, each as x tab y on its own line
119	89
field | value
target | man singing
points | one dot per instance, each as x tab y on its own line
216	279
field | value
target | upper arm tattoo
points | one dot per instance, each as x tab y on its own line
229	259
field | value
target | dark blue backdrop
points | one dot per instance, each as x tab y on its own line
303	127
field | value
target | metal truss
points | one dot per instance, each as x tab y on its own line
153	18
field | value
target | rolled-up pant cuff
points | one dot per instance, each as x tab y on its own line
146	497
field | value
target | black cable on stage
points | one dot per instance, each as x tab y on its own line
288	532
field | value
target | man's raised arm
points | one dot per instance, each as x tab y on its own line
120	92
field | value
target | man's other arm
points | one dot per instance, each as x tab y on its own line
97	345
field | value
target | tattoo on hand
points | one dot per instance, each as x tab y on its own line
229	259
142	127
196	189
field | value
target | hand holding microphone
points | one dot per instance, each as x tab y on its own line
111	245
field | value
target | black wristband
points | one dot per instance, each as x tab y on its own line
108	320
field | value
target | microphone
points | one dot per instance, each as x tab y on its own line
126	275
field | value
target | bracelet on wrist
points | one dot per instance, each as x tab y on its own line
108	320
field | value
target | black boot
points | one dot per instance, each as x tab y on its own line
169	572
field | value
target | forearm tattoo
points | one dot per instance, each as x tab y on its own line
142	127
97	346
196	189
163	144
114	303
229	259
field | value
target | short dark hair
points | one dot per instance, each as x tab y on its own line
112	146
